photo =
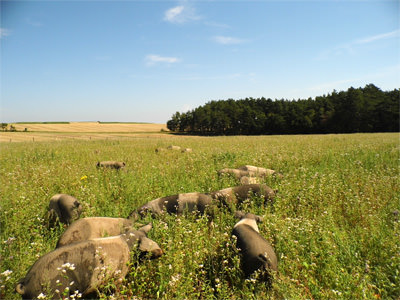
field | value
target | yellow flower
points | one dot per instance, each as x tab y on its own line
84	177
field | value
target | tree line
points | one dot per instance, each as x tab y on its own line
367	109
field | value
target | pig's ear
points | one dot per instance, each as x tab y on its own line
20	288
239	214
259	219
146	228
147	245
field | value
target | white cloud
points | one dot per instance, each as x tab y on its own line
227	40
153	59
212	77
216	24
4	32
181	14
378	37
34	23
172	14
350	48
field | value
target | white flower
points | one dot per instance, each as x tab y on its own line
6	273
41	296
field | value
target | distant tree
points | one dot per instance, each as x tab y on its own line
4	126
173	124
367	109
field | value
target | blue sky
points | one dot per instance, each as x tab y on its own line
144	60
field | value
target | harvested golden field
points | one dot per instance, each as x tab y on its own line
80	131
92	127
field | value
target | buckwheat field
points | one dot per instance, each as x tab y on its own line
334	225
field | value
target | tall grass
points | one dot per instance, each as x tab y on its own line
333	226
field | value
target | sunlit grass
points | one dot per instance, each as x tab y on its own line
333	224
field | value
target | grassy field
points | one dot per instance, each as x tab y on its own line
333	225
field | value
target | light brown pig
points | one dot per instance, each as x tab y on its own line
80	268
95	227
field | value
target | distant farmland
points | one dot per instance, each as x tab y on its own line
79	130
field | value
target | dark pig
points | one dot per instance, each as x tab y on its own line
111	164
64	208
255	251
175	204
238	194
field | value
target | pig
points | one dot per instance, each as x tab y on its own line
111	164
174	147
236	195
95	227
175	204
255	251
261	172
250	171
64	208
235	172
249	180
83	266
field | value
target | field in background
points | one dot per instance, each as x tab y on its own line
334	224
79	130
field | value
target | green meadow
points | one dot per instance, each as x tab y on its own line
334	225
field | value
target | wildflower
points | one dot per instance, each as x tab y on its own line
6	273
9	240
41	296
84	177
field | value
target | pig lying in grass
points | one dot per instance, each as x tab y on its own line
258	171
111	164
238	194
256	252
250	171
96	227
175	204
80	268
63	208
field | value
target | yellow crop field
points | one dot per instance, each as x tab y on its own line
80	130
92	127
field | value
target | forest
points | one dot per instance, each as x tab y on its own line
367	109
